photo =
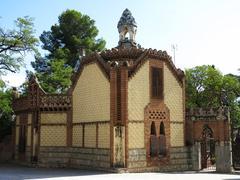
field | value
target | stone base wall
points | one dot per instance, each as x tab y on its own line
96	158
28	154
90	157
54	156
137	158
180	160
74	157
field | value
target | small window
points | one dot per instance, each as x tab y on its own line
157	83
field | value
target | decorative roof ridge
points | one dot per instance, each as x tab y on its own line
118	53
33	79
160	55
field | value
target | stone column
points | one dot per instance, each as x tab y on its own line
196	156
223	157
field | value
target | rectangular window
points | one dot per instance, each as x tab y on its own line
157	83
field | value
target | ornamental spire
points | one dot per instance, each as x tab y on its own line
127	25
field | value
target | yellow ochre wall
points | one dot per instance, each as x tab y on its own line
104	136
91	96
136	135
138	93
173	98
90	136
77	136
53	135
138	99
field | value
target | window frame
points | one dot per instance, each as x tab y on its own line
157	83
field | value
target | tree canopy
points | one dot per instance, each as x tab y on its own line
15	43
5	110
208	87
63	43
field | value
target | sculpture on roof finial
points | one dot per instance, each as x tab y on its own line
127	24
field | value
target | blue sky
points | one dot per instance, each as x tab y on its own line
206	31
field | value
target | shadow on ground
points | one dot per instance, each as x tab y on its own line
15	172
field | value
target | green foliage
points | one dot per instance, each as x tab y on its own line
208	87
58	79
14	44
5	110
5	98
63	42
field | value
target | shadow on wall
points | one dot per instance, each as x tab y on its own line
6	149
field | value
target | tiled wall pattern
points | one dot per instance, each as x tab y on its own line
104	136
136	135
91	96
138	93
77	136
53	136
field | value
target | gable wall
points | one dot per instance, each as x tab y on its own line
173	98
138	99
91	96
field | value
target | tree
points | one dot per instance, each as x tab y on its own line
5	110
73	32
14	44
55	76
208	87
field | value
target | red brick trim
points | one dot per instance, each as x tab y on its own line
69	128
97	134
153	107
92	122
55	124
124	107
113	110
83	135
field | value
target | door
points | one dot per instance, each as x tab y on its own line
22	142
207	149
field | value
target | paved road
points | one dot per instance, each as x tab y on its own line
10	172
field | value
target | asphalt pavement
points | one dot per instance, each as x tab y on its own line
14	172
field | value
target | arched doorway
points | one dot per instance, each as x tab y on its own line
208	159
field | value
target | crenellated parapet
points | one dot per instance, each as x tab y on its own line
219	113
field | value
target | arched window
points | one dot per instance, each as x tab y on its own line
153	141
153	129
162	141
162	129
